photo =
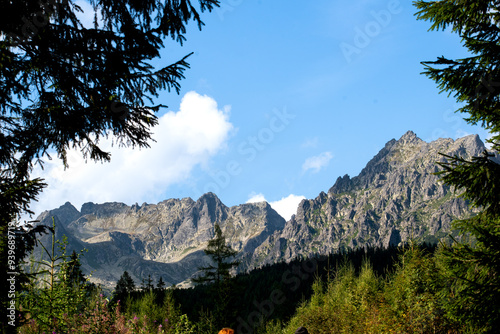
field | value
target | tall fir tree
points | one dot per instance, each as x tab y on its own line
73	272
161	284
66	86
218	274
219	252
147	284
124	286
472	261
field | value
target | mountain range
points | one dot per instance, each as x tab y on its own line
397	196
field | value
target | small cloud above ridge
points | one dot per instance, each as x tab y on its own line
318	162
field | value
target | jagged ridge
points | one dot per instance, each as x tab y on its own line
396	196
164	239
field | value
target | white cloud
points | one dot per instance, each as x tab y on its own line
184	139
285	207
316	163
256	198
489	136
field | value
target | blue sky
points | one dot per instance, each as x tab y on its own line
282	97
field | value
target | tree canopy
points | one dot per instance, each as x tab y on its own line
475	80
472	261
66	84
124	286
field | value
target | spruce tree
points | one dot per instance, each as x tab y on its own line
219	252
218	274
73	272
65	85
473	260
55	289
124	286
161	284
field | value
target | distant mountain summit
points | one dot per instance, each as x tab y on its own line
165	239
395	197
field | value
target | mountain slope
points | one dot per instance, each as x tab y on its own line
166	239
395	197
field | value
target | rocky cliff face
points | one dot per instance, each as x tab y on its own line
395	197
166	239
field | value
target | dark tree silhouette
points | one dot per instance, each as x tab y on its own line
219	275
65	85
473	262
219	252
74	274
161	284
147	284
124	286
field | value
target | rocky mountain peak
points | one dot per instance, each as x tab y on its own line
103	210
343	184
209	199
165	239
397	195
409	138
66	213
470	145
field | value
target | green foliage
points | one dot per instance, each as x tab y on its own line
412	295
471	274
343	305
184	326
56	288
219	252
206	323
472	265
355	299
272	327
147	313
157	310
